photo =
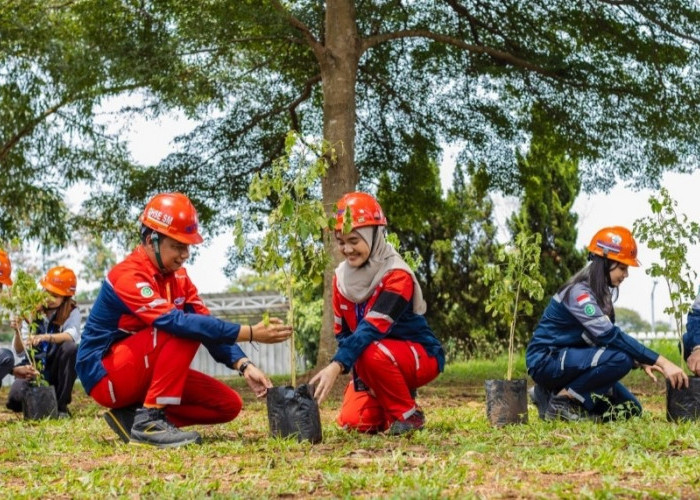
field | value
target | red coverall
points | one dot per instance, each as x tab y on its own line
392	350
140	363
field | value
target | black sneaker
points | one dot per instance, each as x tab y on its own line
120	421
564	408
413	423
539	396
152	428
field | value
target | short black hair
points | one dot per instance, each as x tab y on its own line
145	232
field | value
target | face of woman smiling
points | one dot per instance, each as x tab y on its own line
618	274
353	247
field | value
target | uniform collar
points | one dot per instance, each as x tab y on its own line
140	255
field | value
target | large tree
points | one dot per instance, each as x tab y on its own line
617	78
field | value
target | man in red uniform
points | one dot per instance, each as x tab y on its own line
145	328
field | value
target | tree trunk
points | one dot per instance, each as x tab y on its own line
339	65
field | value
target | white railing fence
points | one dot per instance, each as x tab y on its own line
243	308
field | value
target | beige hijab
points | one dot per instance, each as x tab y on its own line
359	283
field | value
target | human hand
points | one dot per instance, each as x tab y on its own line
673	373
27	372
35	340
323	381
256	379
694	362
650	369
270	332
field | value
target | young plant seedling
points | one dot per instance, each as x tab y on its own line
293	243
671	233
513	280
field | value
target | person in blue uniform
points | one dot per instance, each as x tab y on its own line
577	356
54	341
691	338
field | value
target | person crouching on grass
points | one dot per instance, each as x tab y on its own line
382	334
54	340
577	356
144	330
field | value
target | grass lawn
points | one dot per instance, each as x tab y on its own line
458	455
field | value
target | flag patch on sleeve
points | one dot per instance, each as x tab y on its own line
584	298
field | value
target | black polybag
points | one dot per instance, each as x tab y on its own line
39	402
293	411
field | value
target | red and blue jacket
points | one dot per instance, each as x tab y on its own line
388	313
136	295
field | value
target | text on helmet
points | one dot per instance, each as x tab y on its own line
159	217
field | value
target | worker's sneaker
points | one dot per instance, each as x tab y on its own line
564	408
152	428
413	423
540	398
120	421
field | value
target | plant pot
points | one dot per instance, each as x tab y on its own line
39	402
294	412
683	404
506	402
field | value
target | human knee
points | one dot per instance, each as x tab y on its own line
69	349
622	361
230	406
7	361
362	420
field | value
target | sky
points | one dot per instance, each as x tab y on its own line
150	140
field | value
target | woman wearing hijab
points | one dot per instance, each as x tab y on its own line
382	334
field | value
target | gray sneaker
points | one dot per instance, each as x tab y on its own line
152	428
565	408
413	423
120	421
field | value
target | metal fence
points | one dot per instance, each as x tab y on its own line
243	308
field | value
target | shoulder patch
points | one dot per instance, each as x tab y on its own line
589	309
146	292
584	298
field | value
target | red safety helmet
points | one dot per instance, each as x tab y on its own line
5	269
60	280
173	215
616	243
364	210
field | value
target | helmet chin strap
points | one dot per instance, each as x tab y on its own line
155	241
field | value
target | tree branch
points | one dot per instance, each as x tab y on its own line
500	55
32	124
291	107
305	94
649	16
315	45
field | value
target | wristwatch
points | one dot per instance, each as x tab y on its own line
244	365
